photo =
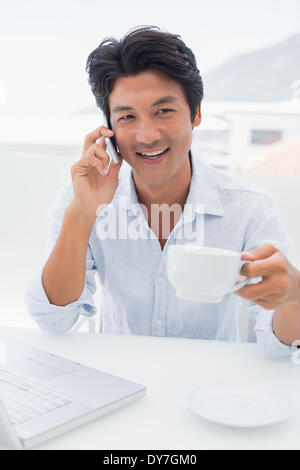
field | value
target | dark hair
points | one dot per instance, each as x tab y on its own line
145	47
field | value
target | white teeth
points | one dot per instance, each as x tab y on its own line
152	154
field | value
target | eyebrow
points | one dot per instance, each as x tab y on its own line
165	99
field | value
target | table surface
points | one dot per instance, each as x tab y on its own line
170	369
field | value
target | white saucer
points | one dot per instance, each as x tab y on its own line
242	405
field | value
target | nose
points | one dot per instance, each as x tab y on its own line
147	133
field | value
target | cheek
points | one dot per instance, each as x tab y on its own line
180	133
183	126
184	138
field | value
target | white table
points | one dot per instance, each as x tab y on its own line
170	368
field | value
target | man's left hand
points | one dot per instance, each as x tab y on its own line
280	284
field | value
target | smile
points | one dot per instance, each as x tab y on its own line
153	155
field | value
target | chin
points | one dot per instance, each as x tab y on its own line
155	181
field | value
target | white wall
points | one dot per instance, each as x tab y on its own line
285	191
28	186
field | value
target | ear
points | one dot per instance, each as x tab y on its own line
198	117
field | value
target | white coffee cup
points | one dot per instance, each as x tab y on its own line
204	274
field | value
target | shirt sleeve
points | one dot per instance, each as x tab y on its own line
53	318
266	226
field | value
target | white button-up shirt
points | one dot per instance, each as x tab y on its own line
137	298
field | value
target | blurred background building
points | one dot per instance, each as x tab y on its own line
238	136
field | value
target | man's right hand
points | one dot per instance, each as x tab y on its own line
92	187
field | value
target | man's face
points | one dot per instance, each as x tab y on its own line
159	119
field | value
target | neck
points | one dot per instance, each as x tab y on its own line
174	191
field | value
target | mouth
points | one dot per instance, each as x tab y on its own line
153	157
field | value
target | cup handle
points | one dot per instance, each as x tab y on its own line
238	286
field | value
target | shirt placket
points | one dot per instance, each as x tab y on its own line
160	290
159	259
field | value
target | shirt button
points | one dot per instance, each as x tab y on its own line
160	280
158	322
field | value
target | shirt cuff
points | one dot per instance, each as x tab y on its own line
267	341
55	318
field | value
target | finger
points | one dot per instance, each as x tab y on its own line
91	159
261	252
99	153
114	168
255	291
268	302
84	165
94	162
259	268
91	138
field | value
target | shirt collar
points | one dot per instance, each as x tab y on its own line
203	193
204	189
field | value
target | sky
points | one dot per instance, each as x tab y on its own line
44	45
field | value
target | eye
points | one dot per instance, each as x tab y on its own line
165	109
125	117
128	116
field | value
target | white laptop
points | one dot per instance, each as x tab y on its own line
43	395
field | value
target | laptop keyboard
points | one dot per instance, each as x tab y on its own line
28	401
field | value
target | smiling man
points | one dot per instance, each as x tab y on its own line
150	90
